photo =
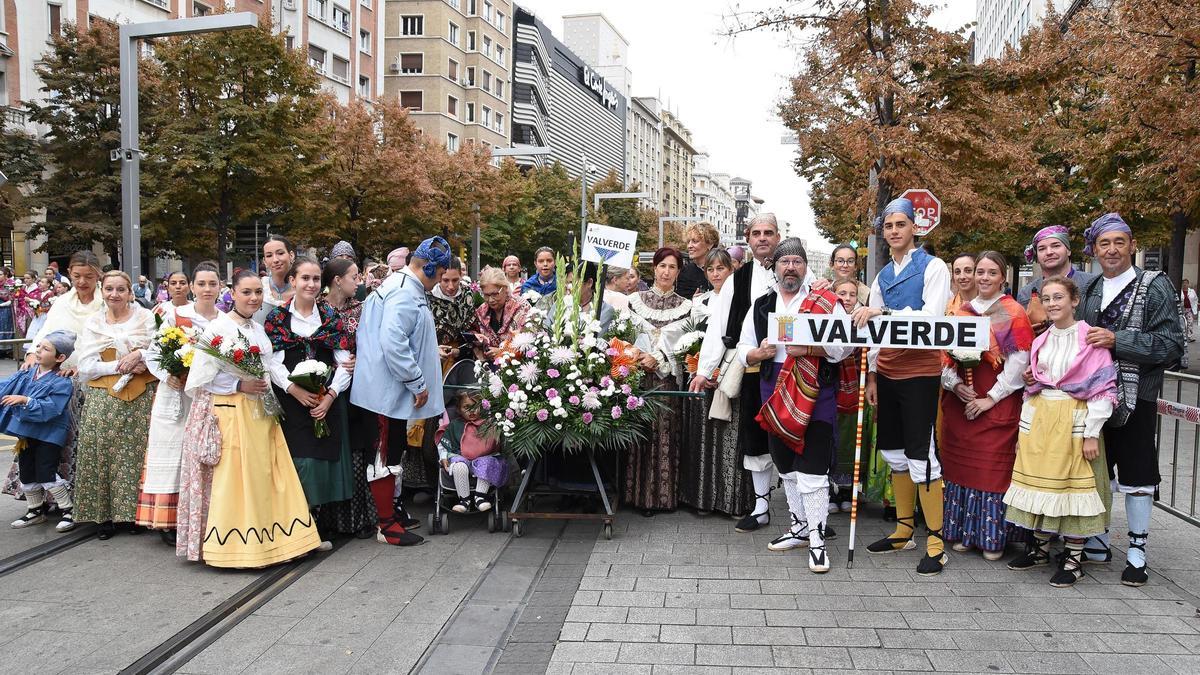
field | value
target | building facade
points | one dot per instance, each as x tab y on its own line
644	150
561	101
678	162
746	205
1000	23
714	199
447	61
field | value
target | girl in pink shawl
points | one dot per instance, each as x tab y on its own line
1060	478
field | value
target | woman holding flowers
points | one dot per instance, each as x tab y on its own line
170	357
652	468
116	411
309	336
257	515
22	308
980	410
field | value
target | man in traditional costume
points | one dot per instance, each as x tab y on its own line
1051	250
904	384
398	348
801	439
1134	313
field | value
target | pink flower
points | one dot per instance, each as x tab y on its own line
623	371
530	354
574	400
616	412
553	372
542	415
626	389
587	418
632	403
512	389
606	380
485	404
552	393
509	413
612	351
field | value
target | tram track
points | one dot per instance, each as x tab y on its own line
49	549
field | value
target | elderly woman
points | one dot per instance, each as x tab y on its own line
453	313
652	468
116	412
501	315
701	238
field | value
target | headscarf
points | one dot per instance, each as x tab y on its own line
63	341
1109	222
737	253
789	247
342	249
400	254
512	258
436	252
1058	232
898	205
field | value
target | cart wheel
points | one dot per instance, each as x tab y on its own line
491	521
432	523
608	530
445	524
516	528
505	522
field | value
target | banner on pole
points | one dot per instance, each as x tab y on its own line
899	332
610	246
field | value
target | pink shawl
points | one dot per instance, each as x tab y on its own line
1090	376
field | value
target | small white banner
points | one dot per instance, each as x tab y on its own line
899	332
611	246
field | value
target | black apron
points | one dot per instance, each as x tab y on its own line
297	422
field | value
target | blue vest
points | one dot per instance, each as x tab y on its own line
904	290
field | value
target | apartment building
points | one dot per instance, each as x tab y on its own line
714	199
447	61
644	149
678	162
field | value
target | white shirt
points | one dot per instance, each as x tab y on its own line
749	337
1012	374
305	326
762	281
1114	286
935	293
1054	358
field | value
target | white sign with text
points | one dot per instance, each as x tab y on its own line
610	246
898	332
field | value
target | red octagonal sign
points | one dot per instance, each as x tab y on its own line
926	208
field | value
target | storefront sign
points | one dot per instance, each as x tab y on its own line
592	80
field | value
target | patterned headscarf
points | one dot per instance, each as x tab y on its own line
1109	222
898	205
1058	232
342	249
436	252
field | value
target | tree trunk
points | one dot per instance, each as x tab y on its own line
1181	224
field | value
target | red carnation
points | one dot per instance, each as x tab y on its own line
238	355
255	350
216	341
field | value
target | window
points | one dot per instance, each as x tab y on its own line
341	69
412	25
200	9
487	46
471	9
55	19
498	87
412	64
487	81
487	116
364	86
500	21
452	70
316	58
364	41
470	76
456	4
411	99
470	111
499	123
289	42
487	11
452	142
452	34
341	19
316	8
500	54
470	40
452	106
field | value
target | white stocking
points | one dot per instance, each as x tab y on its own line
462	479
762	491
796	505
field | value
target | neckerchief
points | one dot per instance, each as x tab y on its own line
332	333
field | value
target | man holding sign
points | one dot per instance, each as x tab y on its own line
904	385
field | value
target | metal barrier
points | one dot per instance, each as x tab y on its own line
15	343
1179	421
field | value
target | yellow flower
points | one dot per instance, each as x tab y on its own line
187	359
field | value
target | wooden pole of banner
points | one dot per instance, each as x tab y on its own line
858	451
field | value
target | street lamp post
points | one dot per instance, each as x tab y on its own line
663	220
515	151
128	154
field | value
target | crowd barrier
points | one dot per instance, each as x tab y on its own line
1179	426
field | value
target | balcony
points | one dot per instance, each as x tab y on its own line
161	4
14	116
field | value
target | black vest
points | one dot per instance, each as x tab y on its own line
742	280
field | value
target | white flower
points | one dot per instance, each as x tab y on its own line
522	340
590	401
561	355
311	366
495	387
528	372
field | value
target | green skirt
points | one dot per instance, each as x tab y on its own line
324	480
110	455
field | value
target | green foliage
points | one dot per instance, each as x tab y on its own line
22	161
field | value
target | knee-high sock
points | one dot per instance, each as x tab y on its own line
482	486
816	510
762	491
62	496
35	495
462	479
906	497
1137	510
800	522
931	505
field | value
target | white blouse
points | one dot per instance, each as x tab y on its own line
305	326
133	333
213	376
1054	358
199	324
1012	374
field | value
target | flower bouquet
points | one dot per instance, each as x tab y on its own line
241	359
173	349
968	359
314	377
559	382
687	349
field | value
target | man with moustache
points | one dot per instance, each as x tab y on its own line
1051	249
803	464
1135	313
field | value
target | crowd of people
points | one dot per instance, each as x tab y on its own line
236	462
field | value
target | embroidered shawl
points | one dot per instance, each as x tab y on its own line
1010	328
1091	375
332	333
452	316
511	320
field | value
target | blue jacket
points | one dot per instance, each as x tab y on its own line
397	352
47	417
543	288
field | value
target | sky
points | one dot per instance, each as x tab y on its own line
726	90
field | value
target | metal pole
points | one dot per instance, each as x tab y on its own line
131	216
582	199
475	246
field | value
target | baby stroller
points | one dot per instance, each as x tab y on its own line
458	381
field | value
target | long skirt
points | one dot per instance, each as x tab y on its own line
158	499
358	512
201	449
1054	489
711	477
974	517
7	324
111	453
652	466
257	515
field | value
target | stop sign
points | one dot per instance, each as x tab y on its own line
926	209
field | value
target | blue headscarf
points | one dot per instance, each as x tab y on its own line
1109	222
898	205
436	252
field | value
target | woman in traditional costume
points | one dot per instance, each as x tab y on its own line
9	292
116	412
962	282
278	256
652	467
158	500
23	310
257	514
178	285
453	313
711	477
501	315
1060	478
310	329
980	409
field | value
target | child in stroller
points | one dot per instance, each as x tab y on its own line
463	452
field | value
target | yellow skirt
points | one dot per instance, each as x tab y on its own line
258	515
